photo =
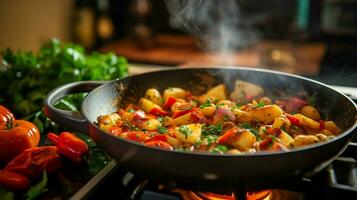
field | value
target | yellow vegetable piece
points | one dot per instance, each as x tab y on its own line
182	120
151	124
245	141
147	105
311	112
153	95
266	114
285	138
190	133
306	121
175	92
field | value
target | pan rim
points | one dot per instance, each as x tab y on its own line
210	154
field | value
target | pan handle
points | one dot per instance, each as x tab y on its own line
70	119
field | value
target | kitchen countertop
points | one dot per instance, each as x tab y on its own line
172	50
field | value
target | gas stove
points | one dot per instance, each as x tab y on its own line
337	181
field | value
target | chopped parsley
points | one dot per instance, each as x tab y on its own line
260	104
238	105
131	110
160	119
161	129
252	130
185	130
207	103
209	139
212	129
219	149
245	126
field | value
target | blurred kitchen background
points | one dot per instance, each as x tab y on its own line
314	38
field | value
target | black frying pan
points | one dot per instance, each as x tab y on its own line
202	170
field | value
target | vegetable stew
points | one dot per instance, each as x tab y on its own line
245	121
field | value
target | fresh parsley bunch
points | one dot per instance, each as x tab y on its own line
27	77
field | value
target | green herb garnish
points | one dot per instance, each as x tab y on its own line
212	129
220	149
207	103
185	130
260	104
161	119
161	129
130	110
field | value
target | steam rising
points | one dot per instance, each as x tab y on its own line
215	23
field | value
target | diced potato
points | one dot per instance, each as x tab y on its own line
331	126
326	132
243	89
173	141
266	114
245	141
281	122
153	95
310	112
218	92
227	103
208	111
265	100
285	138
151	124
190	133
176	92
182	120
233	151
242	116
321	137
107	121
302	140
306	121
182	105
147	105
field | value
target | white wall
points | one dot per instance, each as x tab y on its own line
26	24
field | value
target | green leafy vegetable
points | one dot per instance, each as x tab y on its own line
38	189
30	76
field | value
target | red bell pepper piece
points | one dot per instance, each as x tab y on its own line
13	181
266	143
115	130
158	111
69	145
223	138
137	136
295	121
169	101
179	113
33	161
322	125
158	138
160	144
